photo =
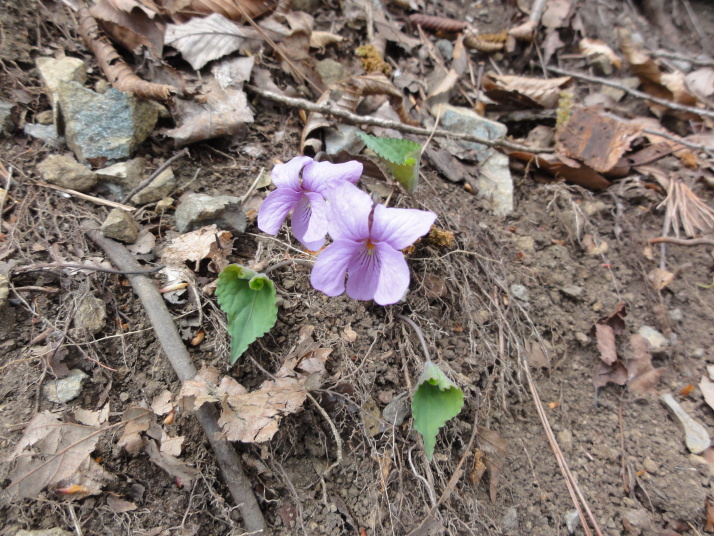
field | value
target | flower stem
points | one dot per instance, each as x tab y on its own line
419	333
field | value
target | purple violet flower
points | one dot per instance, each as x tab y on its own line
302	185
366	248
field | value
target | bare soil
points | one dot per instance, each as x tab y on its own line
626	453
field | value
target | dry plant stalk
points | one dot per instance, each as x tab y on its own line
437	24
113	66
685	209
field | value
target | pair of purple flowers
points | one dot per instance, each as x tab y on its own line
366	237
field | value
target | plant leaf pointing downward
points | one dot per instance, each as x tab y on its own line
400	156
248	299
436	400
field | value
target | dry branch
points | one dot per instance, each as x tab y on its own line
355	119
682	241
634	92
168	335
116	70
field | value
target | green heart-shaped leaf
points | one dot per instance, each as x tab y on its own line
400	156
436	400
248	299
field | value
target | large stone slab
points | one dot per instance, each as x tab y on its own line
109	125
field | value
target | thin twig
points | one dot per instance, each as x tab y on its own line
419	334
96	200
153	176
288	262
634	92
71	266
8	182
252	186
679	140
167	333
705	62
682	241
329	109
335	433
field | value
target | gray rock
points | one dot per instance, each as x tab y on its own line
696	436
519	292
91	315
397	410
46	133
572	520
54	72
65	389
119	225
330	71
121	178
495	182
446	48
159	188
572	291
658	342
509	521
109	125
67	173
199	210
7	125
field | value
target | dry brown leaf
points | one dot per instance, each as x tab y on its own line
178	469
701	82
535	356
90	477
222	114
594	139
149	8
562	166
162	403
596	47
118	505
171	445
606	343
139	420
114	67
555	13
642	377
92	418
707	388
132	29
323	39
205	243
659	278
494	448
525	31
50	452
604	374
231	9
525	90
201	40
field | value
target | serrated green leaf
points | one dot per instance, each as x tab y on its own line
248	299
400	156
436	400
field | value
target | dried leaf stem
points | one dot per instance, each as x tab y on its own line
634	92
73	266
355	119
419	334
168	335
682	241
113	66
97	200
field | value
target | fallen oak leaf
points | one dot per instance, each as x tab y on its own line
178	469
205	243
642	377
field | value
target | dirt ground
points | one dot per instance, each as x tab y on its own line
531	280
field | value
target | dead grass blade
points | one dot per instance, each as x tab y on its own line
113	66
686	210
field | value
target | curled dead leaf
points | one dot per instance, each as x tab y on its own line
524	90
596	47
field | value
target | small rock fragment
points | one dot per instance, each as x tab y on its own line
159	188
330	71
164	205
657	341
119	225
696	436
572	520
572	291
519	292
91	315
122	177
65	389
44	118
56	71
526	244
7	125
636	520
650	465
108	126
509	521
67	173
199	210
46	133
397	410
675	315
565	440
